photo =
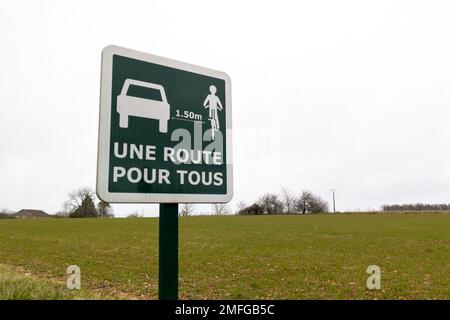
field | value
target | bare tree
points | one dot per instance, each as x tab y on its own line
104	210
241	205
186	209
309	203
288	201
76	197
80	203
220	209
270	204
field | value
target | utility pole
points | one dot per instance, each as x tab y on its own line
334	201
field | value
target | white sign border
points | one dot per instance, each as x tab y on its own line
105	132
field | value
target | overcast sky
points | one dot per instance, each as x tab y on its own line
351	95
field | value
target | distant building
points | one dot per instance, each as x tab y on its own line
31	214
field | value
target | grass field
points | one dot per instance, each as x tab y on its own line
231	257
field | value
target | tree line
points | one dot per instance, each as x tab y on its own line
285	203
416	207
81	203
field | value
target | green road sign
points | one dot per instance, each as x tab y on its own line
165	131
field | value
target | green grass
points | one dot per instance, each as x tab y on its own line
16	286
248	257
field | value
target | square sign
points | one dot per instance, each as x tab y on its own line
165	131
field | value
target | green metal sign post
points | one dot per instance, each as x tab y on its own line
168	251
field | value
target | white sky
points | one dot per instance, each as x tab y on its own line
352	95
